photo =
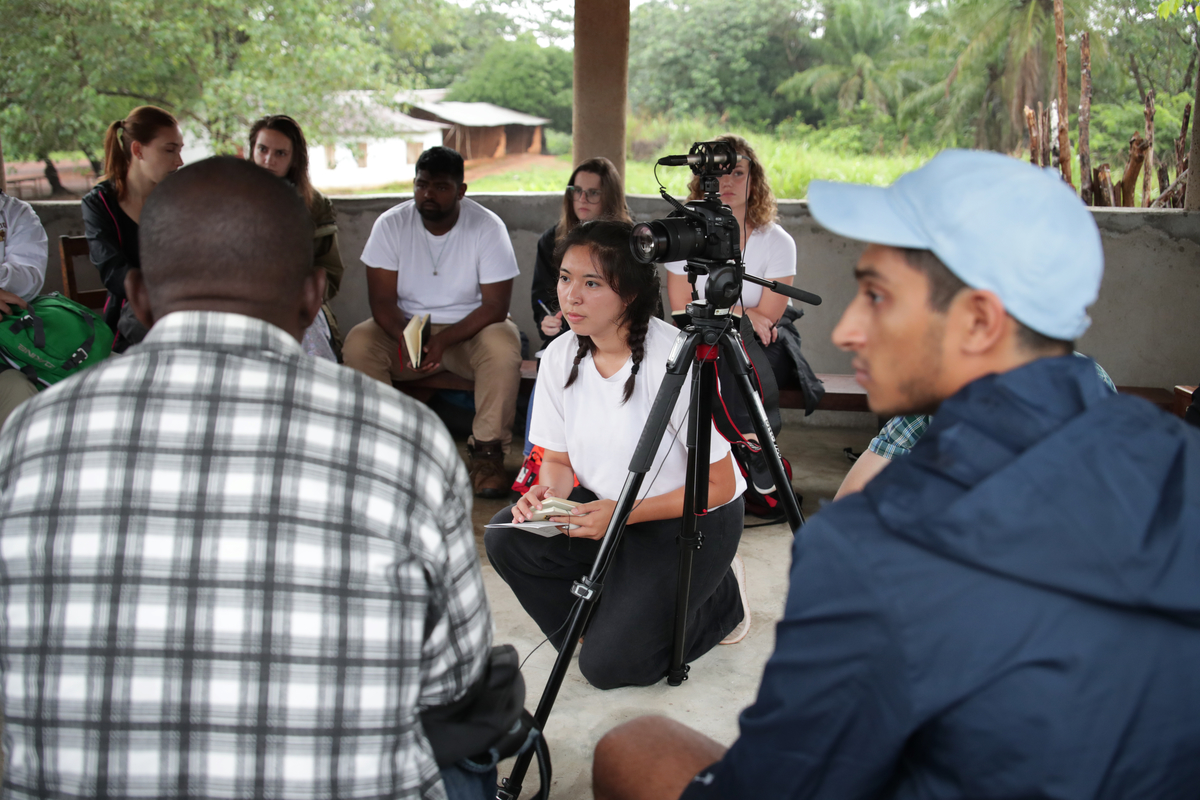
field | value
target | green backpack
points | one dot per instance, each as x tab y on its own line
53	339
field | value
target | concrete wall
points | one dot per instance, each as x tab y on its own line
1146	324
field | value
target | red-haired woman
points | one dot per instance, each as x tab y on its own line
277	145
139	151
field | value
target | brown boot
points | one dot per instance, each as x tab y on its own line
487	470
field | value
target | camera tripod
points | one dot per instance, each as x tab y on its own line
712	334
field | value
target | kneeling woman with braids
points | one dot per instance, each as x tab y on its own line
594	392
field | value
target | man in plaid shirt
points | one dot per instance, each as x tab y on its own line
229	569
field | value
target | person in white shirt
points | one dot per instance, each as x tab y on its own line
595	388
22	272
769	252
447	256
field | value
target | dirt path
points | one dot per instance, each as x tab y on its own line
481	168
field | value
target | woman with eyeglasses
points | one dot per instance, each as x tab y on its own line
595	191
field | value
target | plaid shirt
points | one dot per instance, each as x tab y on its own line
231	570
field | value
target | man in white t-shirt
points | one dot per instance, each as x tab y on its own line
22	272
447	256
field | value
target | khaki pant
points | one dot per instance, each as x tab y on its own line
492	358
15	389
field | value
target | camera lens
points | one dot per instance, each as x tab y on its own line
648	245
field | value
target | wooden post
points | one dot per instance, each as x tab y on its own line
1097	191
1104	186
1181	142
1147	191
1064	135
1167	199
601	80
1044	127
1137	157
1191	195
1035	153
1085	120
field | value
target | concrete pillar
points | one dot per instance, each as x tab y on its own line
601	80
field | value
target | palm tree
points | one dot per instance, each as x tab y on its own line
1004	60
861	38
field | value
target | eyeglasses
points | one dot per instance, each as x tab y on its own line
589	195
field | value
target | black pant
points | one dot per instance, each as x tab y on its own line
628	641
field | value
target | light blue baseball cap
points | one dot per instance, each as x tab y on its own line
999	224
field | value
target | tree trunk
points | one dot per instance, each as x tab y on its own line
1137	77
1035	153
97	164
1149	169
1085	119
1137	157
1191	195
1064	134
51	173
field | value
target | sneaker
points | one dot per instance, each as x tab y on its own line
743	627
488	477
760	473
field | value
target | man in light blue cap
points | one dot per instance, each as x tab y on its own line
1011	610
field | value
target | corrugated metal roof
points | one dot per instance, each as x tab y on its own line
478	115
362	114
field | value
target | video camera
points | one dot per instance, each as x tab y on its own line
703	230
704	233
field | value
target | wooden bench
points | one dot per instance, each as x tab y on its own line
1183	399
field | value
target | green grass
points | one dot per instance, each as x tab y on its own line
790	165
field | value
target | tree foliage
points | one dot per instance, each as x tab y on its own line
860	40
68	67
712	57
523	76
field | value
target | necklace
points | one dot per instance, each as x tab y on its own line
429	248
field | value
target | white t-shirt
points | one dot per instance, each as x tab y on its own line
770	253
476	251
22	248
588	422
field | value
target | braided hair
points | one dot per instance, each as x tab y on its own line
636	284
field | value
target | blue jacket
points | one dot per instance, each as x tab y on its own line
1012	611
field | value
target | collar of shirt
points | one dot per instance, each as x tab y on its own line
218	330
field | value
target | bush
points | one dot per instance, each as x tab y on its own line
557	142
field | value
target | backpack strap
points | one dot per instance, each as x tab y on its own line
31	320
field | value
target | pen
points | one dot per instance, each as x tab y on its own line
546	308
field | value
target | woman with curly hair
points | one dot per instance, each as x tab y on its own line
594	191
277	145
594	394
768	251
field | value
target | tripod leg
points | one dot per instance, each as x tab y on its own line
731	349
695	499
588	588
